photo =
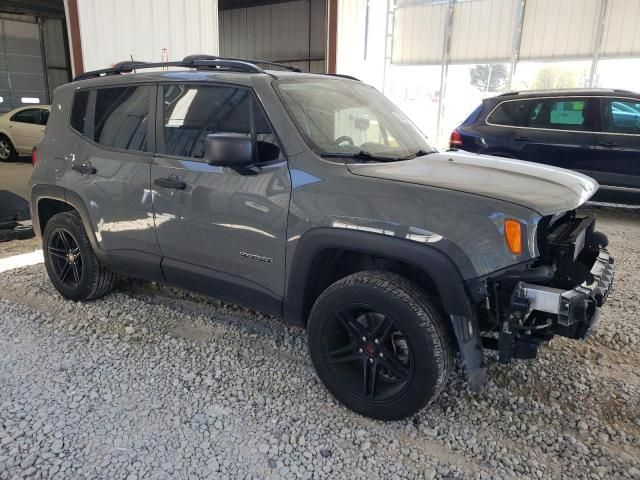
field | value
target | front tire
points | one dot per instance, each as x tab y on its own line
70	261
379	344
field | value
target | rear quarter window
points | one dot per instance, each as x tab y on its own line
78	117
474	115
509	113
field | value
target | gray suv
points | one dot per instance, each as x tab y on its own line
315	199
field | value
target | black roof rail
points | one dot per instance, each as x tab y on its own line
567	91
200	57
341	75
191	61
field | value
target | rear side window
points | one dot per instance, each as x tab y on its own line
191	112
550	113
510	113
30	115
121	117
563	114
621	116
79	111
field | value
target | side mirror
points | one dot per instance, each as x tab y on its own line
229	150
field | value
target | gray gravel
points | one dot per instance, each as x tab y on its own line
154	382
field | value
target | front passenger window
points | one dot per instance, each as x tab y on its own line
621	116
191	112
561	114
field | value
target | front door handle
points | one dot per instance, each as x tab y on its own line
608	144
84	169
170	183
521	139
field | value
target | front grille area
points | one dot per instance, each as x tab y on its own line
565	244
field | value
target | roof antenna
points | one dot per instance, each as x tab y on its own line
131	55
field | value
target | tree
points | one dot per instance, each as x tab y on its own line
489	78
552	77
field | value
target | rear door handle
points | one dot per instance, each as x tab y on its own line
608	144
170	183
521	139
84	169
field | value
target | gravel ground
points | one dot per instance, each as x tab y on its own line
155	382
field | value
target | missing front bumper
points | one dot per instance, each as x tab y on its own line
576	311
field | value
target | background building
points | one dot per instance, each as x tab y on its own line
435	58
438	58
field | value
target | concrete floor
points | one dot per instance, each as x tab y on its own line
15	175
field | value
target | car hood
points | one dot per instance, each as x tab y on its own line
542	188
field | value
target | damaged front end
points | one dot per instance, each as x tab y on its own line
560	293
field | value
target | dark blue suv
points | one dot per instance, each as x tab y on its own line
595	132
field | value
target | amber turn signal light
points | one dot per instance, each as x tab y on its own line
513	234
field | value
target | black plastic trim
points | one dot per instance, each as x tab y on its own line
221	285
40	192
436	265
136	264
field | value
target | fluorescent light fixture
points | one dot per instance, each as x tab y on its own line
30	100
1	100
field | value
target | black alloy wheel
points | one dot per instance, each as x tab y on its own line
380	344
66	258
71	263
368	353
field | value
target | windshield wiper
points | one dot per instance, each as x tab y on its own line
419	153
361	155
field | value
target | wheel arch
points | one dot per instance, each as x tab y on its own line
48	200
324	255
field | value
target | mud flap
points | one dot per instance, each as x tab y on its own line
470	345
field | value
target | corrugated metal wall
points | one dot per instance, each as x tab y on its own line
115	30
621	35
483	30
55	53
554	29
292	32
418	33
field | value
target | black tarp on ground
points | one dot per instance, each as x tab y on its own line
13	209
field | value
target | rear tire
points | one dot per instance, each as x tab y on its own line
70	261
380	344
7	151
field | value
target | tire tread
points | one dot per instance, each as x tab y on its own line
102	280
430	316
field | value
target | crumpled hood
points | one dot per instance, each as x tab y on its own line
542	188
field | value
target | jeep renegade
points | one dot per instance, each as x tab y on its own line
313	198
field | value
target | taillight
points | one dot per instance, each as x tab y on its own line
34	156
456	140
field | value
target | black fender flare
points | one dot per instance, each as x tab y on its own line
41	192
436	265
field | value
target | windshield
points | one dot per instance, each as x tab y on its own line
345	118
